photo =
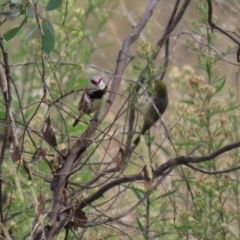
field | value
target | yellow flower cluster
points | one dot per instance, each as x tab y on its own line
223	120
188	69
145	47
192	95
195	81
175	73
209	90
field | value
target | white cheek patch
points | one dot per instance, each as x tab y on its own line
101	85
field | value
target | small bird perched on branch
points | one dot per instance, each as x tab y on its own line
154	108
92	98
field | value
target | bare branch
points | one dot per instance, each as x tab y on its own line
172	163
80	146
214	26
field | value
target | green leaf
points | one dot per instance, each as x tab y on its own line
235	190
160	234
182	144
48	41
220	87
30	13
31	32
189	102
192	120
164	150
166	194
16	1
66	27
48	26
105	45
208	65
231	108
137	194
12	33
136	191
53	4
82	83
139	224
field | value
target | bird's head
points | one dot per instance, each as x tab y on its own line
96	83
160	88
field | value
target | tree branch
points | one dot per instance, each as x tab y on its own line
214	26
80	146
172	163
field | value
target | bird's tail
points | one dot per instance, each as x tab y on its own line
137	140
75	122
78	117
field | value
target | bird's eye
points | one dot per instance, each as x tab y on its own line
93	82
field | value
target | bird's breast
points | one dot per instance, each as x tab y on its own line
97	98
97	94
97	103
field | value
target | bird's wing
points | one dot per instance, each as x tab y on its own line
150	115
84	107
85	104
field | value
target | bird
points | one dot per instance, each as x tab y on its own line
159	101
92	98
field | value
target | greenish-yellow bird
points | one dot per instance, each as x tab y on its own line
155	107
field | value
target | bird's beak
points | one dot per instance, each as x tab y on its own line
97	82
